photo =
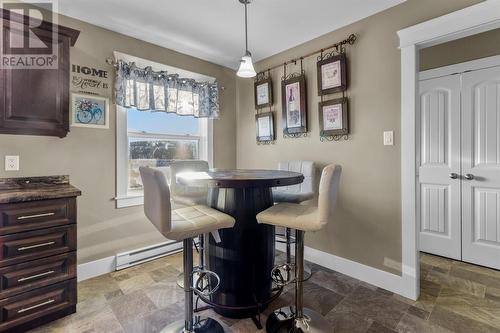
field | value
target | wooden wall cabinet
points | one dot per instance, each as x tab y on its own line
36	101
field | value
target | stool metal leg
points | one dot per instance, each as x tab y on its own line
288	245
190	324
202	250
298	319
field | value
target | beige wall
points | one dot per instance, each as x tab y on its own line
367	227
482	45
88	155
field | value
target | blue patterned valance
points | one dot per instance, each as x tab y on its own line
147	90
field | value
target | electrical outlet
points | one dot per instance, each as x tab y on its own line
389	138
12	163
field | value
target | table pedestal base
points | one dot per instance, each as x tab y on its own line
207	325
245	256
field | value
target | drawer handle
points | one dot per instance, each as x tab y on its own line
34	276
25	217
36	306
24	248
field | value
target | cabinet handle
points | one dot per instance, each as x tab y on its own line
36	306
34	276
35	246
25	217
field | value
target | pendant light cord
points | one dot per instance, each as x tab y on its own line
246	29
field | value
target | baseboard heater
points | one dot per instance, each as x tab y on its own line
142	255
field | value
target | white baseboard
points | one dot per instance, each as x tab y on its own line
392	282
106	265
95	268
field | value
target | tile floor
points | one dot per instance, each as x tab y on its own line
455	297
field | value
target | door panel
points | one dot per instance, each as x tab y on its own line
438	197
481	158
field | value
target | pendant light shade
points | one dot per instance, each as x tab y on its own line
246	66
246	69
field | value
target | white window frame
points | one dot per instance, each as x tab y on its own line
125	198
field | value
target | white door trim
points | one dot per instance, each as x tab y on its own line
463	67
468	21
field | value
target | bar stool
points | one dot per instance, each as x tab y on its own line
182	224
294	194
303	218
187	195
190	196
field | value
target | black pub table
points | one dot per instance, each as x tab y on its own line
245	256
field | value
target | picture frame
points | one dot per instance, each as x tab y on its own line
332	74
334	117
263	93
91	111
294	105
264	127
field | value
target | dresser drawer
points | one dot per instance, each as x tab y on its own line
38	273
36	304
25	246
25	216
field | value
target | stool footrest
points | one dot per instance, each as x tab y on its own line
283	274
205	282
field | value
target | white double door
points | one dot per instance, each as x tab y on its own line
458	156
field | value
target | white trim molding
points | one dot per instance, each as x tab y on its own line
466	22
460	68
368	274
95	268
123	260
462	23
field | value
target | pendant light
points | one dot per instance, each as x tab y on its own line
246	64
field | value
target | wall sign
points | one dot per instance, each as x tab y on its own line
89	79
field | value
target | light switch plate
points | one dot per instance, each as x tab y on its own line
12	163
389	138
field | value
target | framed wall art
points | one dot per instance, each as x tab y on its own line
332	74
263	92
89	111
334	117
294	105
264	124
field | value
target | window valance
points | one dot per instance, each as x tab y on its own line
147	90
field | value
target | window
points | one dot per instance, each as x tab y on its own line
155	139
146	138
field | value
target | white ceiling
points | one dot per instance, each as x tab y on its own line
214	29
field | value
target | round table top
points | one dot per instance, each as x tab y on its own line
240	178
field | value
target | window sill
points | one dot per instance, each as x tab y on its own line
129	201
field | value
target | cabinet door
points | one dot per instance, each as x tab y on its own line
438	179
36	101
481	167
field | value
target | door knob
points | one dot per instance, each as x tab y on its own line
453	175
469	176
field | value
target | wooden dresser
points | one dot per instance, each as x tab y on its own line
37	251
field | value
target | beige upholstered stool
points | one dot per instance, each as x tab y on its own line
187	195
182	224
294	194
303	218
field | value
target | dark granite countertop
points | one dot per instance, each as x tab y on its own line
36	188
